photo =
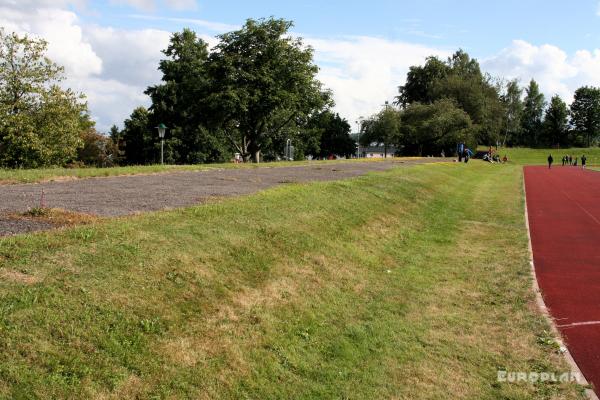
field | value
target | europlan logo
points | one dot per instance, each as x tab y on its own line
535	377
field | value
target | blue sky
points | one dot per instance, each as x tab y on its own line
110	48
482	27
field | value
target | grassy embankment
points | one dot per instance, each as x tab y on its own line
11	176
413	283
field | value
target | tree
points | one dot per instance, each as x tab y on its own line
458	78
137	136
98	150
178	102
383	128
556	123
585	113
334	135
513	106
420	82
40	123
262	81
533	111
431	128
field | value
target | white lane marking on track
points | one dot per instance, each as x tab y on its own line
578	324
580	206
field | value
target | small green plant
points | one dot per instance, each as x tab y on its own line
37	212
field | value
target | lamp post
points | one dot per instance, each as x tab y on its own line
288	150
359	125
161	134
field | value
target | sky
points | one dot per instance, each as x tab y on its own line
111	48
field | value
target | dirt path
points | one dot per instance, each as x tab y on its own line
125	195
564	219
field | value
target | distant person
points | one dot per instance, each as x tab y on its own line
564	161
575	162
583	161
443	153
550	161
570	160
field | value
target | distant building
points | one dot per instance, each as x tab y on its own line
378	151
374	150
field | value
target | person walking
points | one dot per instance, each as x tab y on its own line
583	160
563	161
550	161
570	160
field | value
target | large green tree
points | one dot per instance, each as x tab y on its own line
585	114
533	112
178	102
263	81
513	106
420	82
40	123
327	134
137	137
458	78
430	128
556	123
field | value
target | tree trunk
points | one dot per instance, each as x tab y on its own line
257	156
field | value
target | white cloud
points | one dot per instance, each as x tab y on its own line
66	44
149	5
129	56
146	5
554	70
209	25
363	72
182	4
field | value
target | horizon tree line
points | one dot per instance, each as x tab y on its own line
256	89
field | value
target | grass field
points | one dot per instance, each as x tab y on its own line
10	176
413	283
527	156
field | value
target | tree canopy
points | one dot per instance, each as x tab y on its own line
40	123
585	114
263	80
460	79
430	128
556	123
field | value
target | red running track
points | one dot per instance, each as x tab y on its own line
564	217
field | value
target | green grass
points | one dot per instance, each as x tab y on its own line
413	283
12	176
527	156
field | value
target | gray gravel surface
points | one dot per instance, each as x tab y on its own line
11	226
125	195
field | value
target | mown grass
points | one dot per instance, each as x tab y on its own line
528	156
12	176
413	283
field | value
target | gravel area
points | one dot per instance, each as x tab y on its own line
125	195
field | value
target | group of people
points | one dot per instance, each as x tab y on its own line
464	153
568	160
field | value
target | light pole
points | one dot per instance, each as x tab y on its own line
161	134
358	124
288	150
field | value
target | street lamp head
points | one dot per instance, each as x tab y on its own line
161	130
